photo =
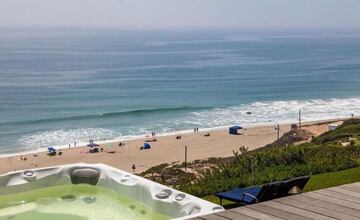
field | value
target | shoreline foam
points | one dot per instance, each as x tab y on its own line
264	112
167	148
143	136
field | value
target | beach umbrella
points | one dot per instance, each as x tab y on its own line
51	149
92	145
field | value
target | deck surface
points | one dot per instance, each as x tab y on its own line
341	202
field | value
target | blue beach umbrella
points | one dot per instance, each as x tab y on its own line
51	150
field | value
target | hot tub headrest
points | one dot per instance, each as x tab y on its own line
84	175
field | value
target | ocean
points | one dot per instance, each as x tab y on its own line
58	86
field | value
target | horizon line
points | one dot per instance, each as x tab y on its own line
188	28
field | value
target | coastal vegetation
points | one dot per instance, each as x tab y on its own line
316	182
350	129
322	157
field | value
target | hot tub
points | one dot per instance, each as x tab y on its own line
93	192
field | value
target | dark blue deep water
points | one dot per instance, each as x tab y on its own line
61	86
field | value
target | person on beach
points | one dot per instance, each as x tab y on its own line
133	167
75	144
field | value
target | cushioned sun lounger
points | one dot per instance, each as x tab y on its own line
262	193
241	195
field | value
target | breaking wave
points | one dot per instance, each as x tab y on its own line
278	112
64	137
261	113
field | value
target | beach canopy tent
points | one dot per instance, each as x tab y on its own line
92	145
234	129
146	146
333	127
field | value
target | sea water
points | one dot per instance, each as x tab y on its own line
74	202
59	86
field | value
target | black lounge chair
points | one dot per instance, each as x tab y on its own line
269	191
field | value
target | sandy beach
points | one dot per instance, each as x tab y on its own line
166	149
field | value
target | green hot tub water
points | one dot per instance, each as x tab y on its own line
73	202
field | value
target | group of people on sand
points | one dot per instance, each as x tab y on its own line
151	140
74	145
196	130
22	158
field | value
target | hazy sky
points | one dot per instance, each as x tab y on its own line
147	14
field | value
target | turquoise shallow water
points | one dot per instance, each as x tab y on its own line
74	202
61	86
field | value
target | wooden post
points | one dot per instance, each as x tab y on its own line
185	157
252	170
